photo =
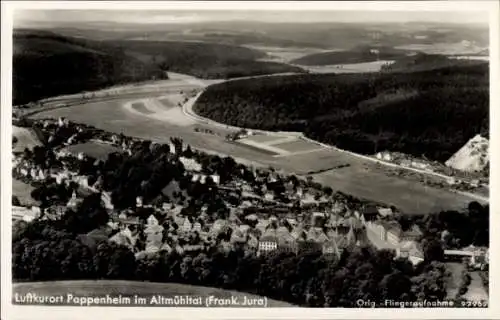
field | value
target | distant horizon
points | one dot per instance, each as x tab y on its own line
59	17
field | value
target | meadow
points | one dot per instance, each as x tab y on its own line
96	150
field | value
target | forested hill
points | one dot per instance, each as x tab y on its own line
355	55
423	62
432	113
47	64
203	59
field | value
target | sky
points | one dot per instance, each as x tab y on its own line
24	17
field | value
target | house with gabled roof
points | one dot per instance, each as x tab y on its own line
393	232
317	235
292	222
410	250
277	239
152	221
299	232
122	239
330	249
238	237
345	242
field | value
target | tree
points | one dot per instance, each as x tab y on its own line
88	216
433	250
328	191
15	201
395	286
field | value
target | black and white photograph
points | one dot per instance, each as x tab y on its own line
279	156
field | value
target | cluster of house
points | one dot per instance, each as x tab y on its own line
388	234
403	160
166	229
456	178
329	231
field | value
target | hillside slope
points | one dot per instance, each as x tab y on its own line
431	113
423	62
46	64
473	156
203	59
24	138
355	55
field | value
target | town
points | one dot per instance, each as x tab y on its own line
191	203
298	159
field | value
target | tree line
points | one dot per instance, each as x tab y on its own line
455	229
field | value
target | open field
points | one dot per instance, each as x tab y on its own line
459	48
166	102
280	145
96	150
258	147
26	138
130	289
298	145
154	109
23	192
263	138
362	178
140	107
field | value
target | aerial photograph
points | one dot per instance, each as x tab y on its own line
231	158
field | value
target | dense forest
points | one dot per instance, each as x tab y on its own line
422	62
46	64
203	59
432	113
456	229
354	55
